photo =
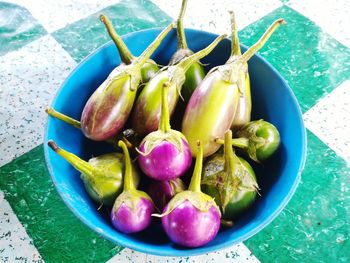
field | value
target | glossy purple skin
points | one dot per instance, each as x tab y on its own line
127	221
189	227
165	161
161	192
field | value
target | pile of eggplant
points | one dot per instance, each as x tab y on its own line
133	108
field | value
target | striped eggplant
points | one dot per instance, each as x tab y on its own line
196	73
108	108
148	70
212	106
146	113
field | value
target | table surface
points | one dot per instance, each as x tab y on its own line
42	41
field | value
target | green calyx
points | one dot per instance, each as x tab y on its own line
164	132
232	178
130	198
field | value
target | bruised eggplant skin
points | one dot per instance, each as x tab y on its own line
210	112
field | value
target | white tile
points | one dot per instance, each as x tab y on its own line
29	78
332	16
54	15
329	120
213	16
236	254
15	244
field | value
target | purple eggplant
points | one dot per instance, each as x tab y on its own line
108	108
164	154
132	209
162	191
148	70
191	218
146	113
213	104
102	175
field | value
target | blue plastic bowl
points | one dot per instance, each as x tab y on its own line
273	101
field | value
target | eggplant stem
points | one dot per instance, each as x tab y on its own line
128	178
79	164
124	52
235	142
261	42
195	184
235	47
164	123
62	117
142	59
186	63
228	152
181	38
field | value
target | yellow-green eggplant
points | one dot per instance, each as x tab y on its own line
212	106
146	113
108	108
148	70
102	176
230	180
196	73
244	107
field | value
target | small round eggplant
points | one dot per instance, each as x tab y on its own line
132	209
212	106
191	218
230	180
164	154
258	139
102	175
162	191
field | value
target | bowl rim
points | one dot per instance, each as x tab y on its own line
189	251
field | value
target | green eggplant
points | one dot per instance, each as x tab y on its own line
129	137
146	113
102	176
148	70
258	139
230	180
109	107
244	107
196	73
212	106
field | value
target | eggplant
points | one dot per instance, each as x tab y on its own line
192	218
230	180
212	106
164	154
108	108
102	175
132	210
146	113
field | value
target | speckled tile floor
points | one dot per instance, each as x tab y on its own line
41	42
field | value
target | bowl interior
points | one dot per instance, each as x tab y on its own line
272	100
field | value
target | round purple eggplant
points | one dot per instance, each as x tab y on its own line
164	154
162	191
132	209
191	218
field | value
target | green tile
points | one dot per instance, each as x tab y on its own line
312	62
57	234
315	226
17	27
84	36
